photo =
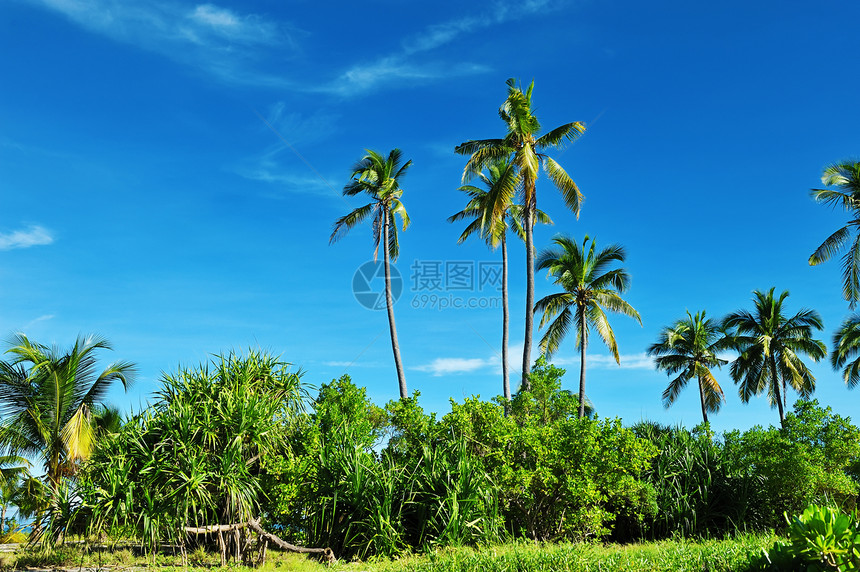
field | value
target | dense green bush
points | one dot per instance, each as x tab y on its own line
366	480
559	477
713	485
196	457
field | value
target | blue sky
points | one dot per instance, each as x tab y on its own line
170	173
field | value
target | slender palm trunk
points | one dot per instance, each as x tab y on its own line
583	343
702	397
528	223
389	304
775	382
506	384
3	520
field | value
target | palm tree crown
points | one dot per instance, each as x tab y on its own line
524	147
846	178
689	348
47	398
590	287
769	343
379	177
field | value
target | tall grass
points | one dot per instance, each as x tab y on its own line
698	491
368	503
727	555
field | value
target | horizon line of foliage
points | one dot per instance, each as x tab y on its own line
240	438
367	480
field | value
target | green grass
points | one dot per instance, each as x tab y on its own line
728	555
670	556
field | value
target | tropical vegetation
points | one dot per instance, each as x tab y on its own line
240	452
590	287
379	177
526	149
493	213
689	348
769	343
845	176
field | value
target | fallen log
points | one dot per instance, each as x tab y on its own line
215	528
327	554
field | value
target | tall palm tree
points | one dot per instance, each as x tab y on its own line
47	398
379	177
768	343
493	212
846	345
590	288
845	177
525	148
689	348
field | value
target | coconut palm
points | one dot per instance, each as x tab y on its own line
525	148
689	348
47	398
768	343
590	287
13	472
846	345
845	177
379	177
493	212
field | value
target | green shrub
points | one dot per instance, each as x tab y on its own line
820	538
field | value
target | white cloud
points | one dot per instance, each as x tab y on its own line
218	40
268	169
33	236
603	361
32	323
399	66
448	366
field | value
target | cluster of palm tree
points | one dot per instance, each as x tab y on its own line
768	342
508	167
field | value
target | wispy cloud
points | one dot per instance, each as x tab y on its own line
629	361
32	323
33	236
449	366
452	365
354	363
270	169
219	40
402	65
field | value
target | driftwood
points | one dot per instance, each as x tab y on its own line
215	528
326	554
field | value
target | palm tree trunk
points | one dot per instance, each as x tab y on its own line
583	342
702	397
506	384
775	382
528	223
389	304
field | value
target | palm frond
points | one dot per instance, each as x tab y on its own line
561	134
569	190
345	223
831	245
